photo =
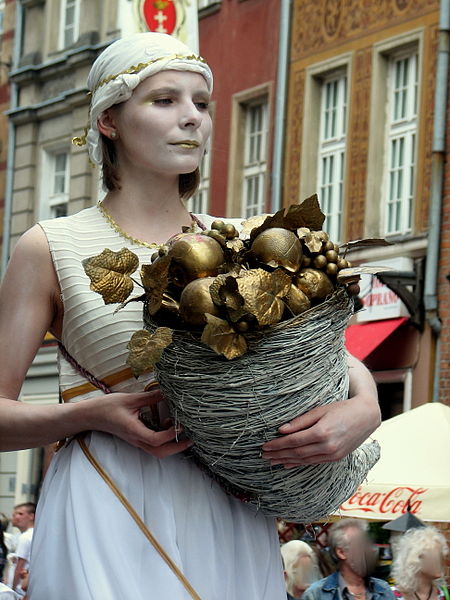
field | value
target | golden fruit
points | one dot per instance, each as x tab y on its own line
328	246
297	300
306	261
193	256
314	283
278	247
342	263
217	224
332	269
196	300
331	256
229	231
320	262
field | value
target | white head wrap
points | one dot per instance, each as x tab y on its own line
123	65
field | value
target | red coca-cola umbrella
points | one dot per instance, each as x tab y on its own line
414	469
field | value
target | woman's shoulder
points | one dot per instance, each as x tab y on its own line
81	218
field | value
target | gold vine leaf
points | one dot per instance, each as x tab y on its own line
252	223
110	272
145	349
263	292
155	279
220	336
313	240
306	214
224	292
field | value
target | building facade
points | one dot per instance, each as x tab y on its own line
361	121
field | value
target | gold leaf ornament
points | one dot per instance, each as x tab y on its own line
220	336
145	349
262	293
110	272
155	279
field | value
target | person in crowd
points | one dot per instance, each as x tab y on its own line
148	126
24	516
419	564
356	560
301	568
3	552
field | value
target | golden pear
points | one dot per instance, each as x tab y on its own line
196	300
194	256
297	300
278	247
314	283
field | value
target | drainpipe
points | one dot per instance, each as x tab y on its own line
9	183
436	191
280	96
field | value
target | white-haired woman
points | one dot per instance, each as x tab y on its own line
148	126
419	564
301	567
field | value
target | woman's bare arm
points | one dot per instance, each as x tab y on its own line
29	307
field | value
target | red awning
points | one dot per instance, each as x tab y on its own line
361	340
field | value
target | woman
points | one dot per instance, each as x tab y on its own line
301	567
418	564
149	124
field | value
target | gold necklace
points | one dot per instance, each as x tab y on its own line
127	236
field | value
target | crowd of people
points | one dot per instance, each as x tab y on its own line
417	569
416	573
15	550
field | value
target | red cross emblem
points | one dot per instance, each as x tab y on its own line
159	15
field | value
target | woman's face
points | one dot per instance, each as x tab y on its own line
163	128
431	563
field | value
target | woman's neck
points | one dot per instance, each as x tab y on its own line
152	213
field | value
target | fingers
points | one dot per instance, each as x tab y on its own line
303	425
158	443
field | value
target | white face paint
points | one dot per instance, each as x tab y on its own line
163	128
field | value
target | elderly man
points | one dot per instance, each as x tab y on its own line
355	554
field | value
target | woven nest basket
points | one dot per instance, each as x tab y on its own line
230	408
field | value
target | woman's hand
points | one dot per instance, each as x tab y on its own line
328	433
118	414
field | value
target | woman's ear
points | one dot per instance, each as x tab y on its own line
106	124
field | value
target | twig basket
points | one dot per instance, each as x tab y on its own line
230	408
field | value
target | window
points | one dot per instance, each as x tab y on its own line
394	391
55	196
70	18
401	142
331	152
198	204
254	159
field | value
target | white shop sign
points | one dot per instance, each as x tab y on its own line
380	302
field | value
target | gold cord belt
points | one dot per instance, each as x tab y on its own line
137	519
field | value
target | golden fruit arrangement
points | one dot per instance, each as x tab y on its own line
225	285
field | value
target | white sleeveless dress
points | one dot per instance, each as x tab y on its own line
86	546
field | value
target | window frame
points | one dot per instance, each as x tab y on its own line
331	151
374	223
400	147
63	23
236	148
315	75
254	168
50	199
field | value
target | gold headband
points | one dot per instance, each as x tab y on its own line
139	67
